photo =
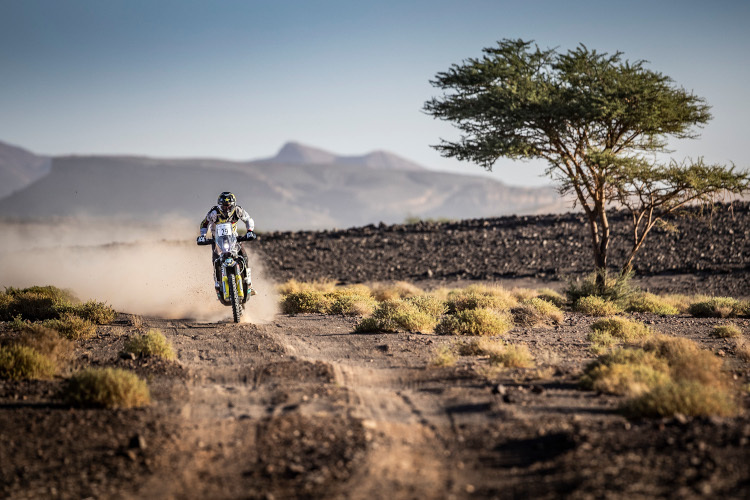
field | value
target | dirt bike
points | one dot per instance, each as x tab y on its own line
230	268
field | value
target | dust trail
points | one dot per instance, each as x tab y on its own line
142	272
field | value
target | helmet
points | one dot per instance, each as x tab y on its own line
227	203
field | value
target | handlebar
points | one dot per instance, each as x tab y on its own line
210	241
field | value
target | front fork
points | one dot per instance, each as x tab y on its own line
225	277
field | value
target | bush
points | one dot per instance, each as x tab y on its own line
443	356
535	311
685	397
552	297
428	304
394	315
594	305
622	329
294	286
629	372
22	362
107	388
616	289
71	327
480	297
481	347
47	342
687	361
727	331
717	307
308	301
513	356
350	302
153	343
368	325
96	312
650	303
475	322
397	290
39	303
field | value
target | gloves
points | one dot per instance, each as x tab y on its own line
201	239
251	235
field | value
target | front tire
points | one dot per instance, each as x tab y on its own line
234	298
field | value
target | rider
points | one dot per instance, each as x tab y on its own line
227	210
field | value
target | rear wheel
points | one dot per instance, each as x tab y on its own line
234	298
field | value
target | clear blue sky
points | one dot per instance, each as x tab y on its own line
236	79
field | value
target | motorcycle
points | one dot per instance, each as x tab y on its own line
230	267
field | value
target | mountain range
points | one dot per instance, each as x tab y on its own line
300	188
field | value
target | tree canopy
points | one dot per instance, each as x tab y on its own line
600	123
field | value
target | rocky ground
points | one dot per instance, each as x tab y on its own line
303	407
709	254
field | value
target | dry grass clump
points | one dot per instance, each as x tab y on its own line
513	356
536	311
22	362
107	388
593	305
522	294
685	397
443	356
152	343
350	301
398	315
552	296
294	286
650	303
718	307
40	303
47	342
304	301
71	327
622	329
480	297
475	322
742	349
483	346
729	331
397	290
96	312
668	375
429	304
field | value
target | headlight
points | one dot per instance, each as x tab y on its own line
226	247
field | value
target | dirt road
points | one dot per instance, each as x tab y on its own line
304	407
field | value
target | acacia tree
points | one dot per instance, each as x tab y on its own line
598	121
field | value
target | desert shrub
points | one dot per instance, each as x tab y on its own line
480	297
96	312
30	305
552	296
443	356
475	322
152	343
687	361
622	329
429	304
368	325
717	307
522	294
742	349
625	371
727	331
395	315
535	311
483	346
307	301
354	301
512	356
47	342
397	290
594	305
686	397
71	327
650	303
617	288
294	286
107	388
23	362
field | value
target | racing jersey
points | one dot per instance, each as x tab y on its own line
214	216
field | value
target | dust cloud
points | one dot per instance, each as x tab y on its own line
150	270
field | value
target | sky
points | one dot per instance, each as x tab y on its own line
235	80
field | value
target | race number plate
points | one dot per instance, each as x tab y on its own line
223	229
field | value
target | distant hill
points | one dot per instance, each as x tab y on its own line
300	188
19	168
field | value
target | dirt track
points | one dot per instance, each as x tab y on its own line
302	407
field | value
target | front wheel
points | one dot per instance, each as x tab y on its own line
234	298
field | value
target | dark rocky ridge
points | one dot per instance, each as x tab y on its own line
714	252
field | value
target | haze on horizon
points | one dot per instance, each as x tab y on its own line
238	79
